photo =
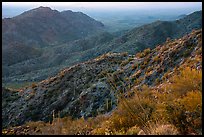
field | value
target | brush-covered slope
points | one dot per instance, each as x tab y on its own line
68	92
148	36
54	59
60	56
90	88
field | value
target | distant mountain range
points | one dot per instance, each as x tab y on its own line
50	48
42	27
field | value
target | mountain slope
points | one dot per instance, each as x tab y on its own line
83	90
58	57
150	35
54	59
43	27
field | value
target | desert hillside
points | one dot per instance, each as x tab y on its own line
108	88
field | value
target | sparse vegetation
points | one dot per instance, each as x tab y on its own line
157	59
17	86
125	62
176	111
169	103
33	85
147	51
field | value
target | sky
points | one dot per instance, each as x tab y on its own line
19	7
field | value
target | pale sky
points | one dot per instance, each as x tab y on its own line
102	5
15	8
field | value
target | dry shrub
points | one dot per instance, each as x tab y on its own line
125	62
97	121
61	126
133	111
147	51
56	127
36	127
188	80
34	85
157	59
99	131
181	101
180	104
186	113
104	129
68	126
160	129
175	108
77	127
133	130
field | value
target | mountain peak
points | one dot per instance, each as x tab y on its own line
40	11
44	9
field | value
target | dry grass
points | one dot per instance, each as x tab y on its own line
180	104
161	129
174	109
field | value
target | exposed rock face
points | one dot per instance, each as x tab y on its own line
89	88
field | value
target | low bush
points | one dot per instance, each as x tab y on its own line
185	113
174	108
